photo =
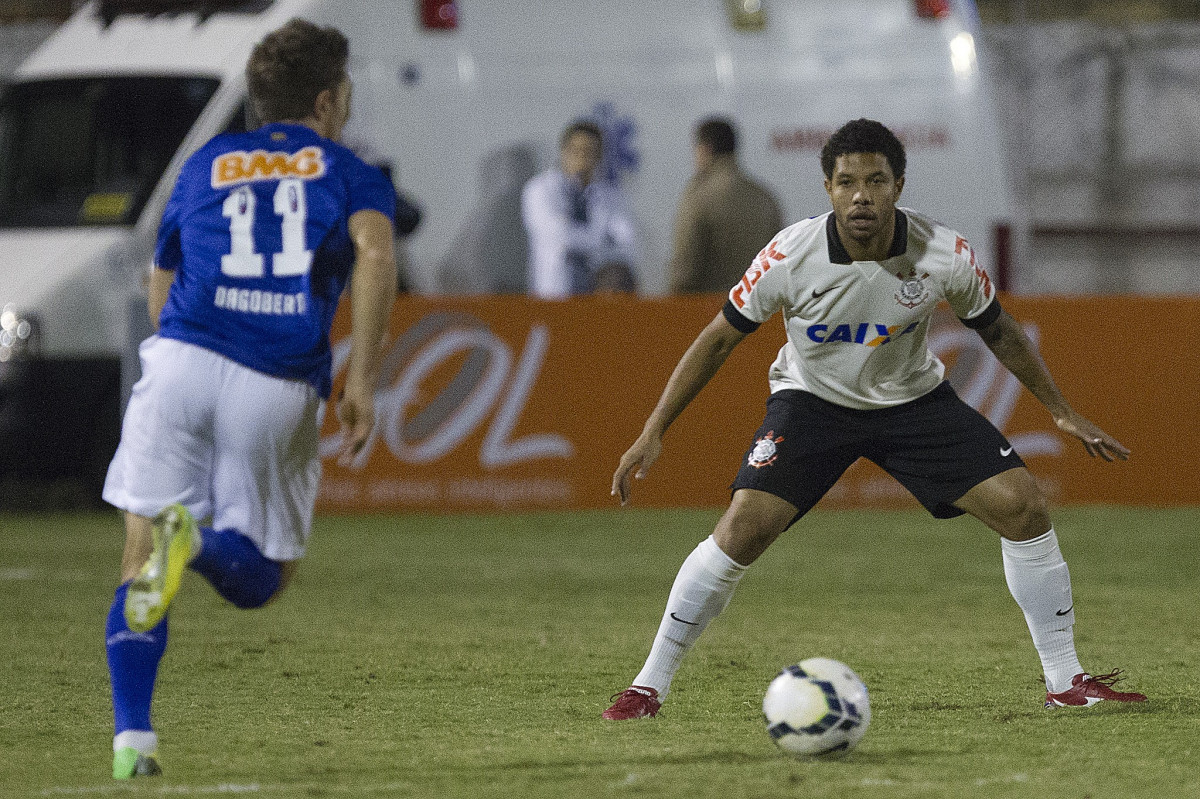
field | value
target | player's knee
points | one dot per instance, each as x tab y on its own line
250	597
274	578
1025	514
287	570
745	531
742	529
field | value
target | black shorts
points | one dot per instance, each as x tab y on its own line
937	446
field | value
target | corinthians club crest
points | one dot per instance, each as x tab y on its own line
764	452
912	289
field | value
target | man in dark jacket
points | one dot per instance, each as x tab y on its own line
724	216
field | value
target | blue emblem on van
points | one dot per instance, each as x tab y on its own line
620	156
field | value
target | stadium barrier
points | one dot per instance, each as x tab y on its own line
511	403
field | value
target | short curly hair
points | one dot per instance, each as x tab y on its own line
863	136
291	66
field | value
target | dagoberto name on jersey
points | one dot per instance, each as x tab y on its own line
869	333
272	303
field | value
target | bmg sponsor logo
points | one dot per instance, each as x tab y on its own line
243	167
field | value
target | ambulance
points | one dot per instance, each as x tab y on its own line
461	101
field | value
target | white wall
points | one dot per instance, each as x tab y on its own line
1101	127
1101	131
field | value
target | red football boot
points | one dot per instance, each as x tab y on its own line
1087	690
634	702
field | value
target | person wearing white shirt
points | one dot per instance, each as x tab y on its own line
580	229
856	288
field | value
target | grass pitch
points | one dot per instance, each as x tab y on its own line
470	656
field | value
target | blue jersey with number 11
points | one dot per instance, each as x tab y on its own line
257	233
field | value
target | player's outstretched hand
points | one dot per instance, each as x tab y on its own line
640	456
356	412
1094	439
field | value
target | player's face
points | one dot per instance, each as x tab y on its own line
864	192
580	155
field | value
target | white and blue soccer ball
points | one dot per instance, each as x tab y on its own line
817	707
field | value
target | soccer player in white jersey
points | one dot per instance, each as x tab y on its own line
256	245
856	288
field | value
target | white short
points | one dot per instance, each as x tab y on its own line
227	442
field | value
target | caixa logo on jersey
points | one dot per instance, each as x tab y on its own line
870	334
490	380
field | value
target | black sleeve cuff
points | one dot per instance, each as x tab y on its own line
990	314
734	317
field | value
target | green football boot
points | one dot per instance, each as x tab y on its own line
129	763
151	592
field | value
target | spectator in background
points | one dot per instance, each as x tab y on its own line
578	227
724	216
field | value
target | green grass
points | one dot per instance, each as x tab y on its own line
470	656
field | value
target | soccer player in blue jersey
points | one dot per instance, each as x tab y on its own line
258	241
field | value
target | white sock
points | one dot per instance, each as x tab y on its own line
1038	579
145	741
702	590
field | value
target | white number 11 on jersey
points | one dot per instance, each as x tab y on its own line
291	205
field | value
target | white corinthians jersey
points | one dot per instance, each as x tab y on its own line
858	330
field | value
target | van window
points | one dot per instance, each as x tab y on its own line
89	151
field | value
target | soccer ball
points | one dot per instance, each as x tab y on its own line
817	707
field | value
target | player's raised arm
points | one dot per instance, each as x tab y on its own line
372	292
697	366
1008	342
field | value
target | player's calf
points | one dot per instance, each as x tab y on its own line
175	538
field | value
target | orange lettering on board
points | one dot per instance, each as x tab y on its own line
243	167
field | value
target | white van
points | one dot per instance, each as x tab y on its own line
464	100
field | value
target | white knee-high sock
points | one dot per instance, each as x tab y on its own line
702	589
1038	579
